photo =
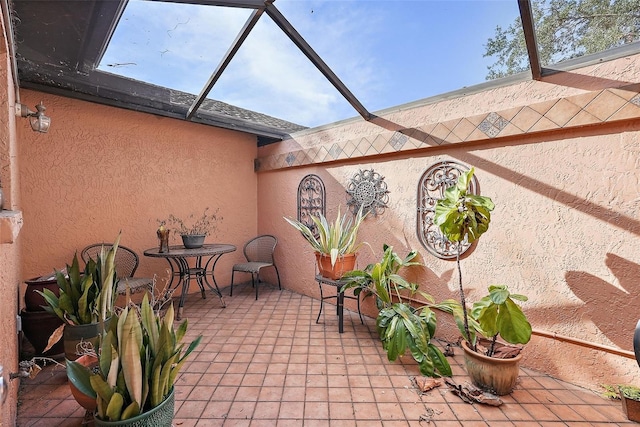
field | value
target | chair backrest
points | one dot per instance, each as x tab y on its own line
260	249
126	259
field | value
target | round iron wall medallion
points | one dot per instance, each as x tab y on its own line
368	190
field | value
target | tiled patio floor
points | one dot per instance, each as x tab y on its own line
267	363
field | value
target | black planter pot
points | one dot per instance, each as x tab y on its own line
37	327
193	241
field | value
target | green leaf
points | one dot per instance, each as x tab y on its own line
130	356
513	324
440	361
461	215
130	411
101	387
149	323
79	376
114	408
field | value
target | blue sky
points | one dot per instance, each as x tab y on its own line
388	53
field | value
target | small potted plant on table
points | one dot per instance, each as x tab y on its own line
194	231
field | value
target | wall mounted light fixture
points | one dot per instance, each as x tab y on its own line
38	120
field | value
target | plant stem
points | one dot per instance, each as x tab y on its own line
463	300
492	347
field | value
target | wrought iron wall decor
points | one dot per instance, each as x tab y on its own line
311	200
367	189
431	188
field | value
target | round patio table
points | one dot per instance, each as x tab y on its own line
206	258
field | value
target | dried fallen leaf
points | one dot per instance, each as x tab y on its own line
425	384
506	352
470	393
35	369
54	338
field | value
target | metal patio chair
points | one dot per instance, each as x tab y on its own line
259	254
126	265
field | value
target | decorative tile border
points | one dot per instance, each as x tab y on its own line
604	106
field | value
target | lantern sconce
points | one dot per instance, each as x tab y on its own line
38	120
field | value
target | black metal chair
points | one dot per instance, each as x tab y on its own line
126	261
259	254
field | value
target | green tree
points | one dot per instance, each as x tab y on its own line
565	29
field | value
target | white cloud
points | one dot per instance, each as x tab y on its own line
179	46
385	52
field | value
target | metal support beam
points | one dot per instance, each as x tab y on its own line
526	17
304	47
235	46
248	4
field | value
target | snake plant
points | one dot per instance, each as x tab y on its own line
140	357
86	297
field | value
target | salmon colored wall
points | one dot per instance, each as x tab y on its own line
9	237
101	170
565	230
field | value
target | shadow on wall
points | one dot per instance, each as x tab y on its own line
611	309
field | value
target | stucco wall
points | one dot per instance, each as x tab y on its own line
101	170
9	237
564	231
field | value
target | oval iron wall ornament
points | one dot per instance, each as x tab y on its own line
431	188
311	200
367	189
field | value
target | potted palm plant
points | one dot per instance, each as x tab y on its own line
85	301
335	244
401	325
140	357
493	366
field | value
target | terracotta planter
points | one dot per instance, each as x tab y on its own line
87	402
37	327
33	300
193	241
631	408
343	264
160	416
75	334
494	375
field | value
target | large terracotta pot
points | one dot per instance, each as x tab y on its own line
37	327
75	334
160	416
33	300
494	375
87	402
343	264
631	408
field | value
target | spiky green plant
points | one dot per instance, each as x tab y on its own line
86	297
334	238
140	357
